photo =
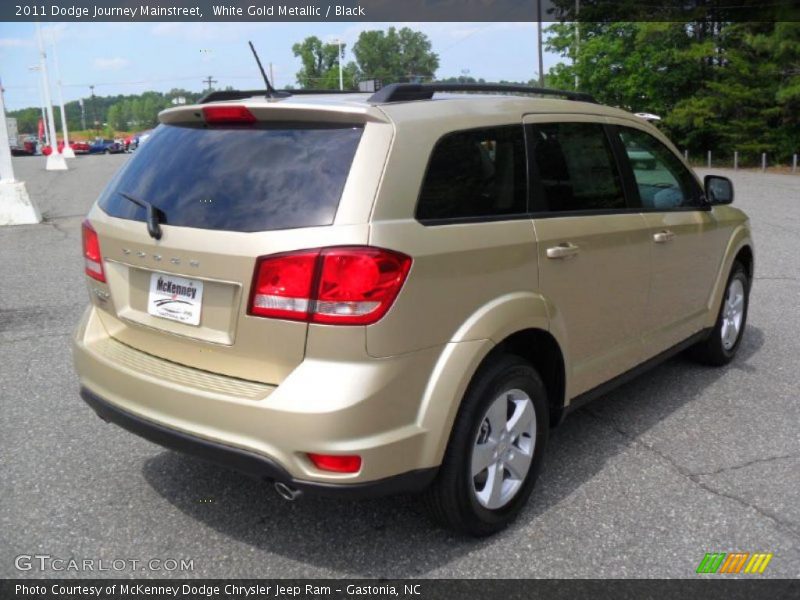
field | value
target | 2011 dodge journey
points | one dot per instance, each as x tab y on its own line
355	294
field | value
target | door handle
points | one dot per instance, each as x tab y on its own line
662	237
565	250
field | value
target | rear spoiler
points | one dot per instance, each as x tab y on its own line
296	110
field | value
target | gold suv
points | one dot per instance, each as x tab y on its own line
354	294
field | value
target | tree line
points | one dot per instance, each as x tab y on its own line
107	114
719	86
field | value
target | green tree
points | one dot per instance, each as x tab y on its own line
395	55
720	86
321	65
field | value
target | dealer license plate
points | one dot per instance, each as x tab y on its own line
175	298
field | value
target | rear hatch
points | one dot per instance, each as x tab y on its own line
226	192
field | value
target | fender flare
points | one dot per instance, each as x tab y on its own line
487	327
740	238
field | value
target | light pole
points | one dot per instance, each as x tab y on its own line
37	69
16	207
68	152
55	161
577	42
338	44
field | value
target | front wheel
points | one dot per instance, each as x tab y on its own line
495	449
721	346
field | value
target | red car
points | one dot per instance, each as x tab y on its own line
77	148
80	147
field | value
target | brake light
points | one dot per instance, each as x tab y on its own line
228	114
282	286
336	462
92	258
353	285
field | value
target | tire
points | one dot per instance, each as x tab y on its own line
721	345
470	504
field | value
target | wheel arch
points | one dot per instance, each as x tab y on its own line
518	323
541	349
739	248
746	258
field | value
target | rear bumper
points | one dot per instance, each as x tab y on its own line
369	407
250	463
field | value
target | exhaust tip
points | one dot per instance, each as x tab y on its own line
287	492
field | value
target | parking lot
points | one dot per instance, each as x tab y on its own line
642	483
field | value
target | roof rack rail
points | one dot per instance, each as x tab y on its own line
223	95
404	92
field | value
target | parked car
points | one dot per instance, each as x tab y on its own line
77	147
80	147
26	147
115	147
413	305
101	146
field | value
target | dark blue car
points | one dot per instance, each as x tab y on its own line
101	146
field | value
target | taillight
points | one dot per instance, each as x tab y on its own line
336	462
352	285
282	285
92	258
228	114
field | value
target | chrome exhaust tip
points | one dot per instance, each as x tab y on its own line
287	492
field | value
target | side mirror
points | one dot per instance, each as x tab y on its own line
719	190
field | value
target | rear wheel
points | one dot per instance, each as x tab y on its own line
495	450
721	346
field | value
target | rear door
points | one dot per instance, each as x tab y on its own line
228	194
683	238
593	247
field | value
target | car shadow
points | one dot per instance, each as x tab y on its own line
393	537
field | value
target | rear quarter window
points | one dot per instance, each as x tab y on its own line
245	179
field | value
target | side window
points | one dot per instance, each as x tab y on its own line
576	169
476	173
663	181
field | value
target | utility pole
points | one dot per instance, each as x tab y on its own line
94	111
539	31
83	114
55	160
67	151
208	81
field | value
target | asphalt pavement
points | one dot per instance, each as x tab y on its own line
643	482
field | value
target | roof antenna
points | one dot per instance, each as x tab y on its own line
271	91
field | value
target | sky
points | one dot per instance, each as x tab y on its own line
129	58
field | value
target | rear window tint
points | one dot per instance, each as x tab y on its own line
238	178
575	167
476	173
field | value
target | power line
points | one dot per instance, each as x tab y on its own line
208	80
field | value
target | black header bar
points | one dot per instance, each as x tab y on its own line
399	10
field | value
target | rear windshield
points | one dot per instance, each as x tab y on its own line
237	179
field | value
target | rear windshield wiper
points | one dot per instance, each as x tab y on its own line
155	216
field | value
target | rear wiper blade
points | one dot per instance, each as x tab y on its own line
155	216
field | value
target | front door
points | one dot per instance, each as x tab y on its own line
593	248
683	237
